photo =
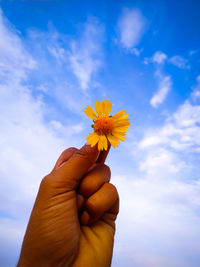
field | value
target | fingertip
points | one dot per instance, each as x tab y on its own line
64	157
85	217
92	153
80	202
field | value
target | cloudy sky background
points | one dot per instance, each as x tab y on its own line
56	57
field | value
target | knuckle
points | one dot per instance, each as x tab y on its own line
82	155
69	150
107	169
113	189
72	149
91	206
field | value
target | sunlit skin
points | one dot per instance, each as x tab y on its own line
73	219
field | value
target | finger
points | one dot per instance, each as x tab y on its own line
105	200
103	155
66	154
93	180
80	202
85	217
70	173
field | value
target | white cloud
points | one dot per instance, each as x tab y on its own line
131	26
12	52
157	160
165	81
158	223
86	54
196	90
163	89
29	144
179	62
58	52
159	57
159	217
136	51
63	74
181	130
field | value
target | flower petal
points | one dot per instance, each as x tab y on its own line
107	107
119	136
90	113
121	123
113	140
98	108
116	131
103	143
121	130
103	103
119	114
100	144
92	139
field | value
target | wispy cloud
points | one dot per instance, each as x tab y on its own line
132	25
12	52
86	53
163	89
160	57
181	130
179	62
161	200
196	89
67	65
162	220
30	142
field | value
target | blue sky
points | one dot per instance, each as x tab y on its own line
56	57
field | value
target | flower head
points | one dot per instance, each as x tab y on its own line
106	128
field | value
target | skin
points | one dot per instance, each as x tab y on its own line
73	219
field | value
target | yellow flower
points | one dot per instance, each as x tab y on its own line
106	128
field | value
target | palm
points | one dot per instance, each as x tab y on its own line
83	245
95	245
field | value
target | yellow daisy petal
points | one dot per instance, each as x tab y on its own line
90	113
113	140
122	117
98	108
92	139
116	131
119	114
120	130
103	105
107	107
103	142
100	143
119	136
121	123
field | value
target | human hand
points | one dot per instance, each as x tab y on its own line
73	218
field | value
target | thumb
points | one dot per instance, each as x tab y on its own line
76	167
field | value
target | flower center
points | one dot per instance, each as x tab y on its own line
103	125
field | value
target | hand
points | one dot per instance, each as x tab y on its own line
73	218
